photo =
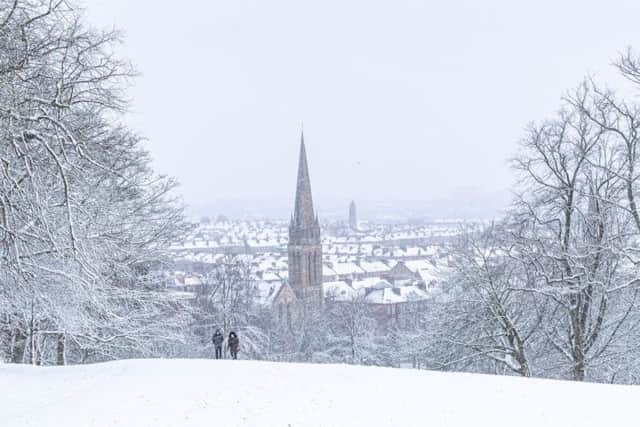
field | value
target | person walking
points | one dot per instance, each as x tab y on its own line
218	339
233	342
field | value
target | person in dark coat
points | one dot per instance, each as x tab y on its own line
218	339
233	342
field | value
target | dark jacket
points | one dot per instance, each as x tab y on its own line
233	341
217	339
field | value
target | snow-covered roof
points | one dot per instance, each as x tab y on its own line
270	276
428	275
396	295
338	291
328	271
418	264
370	283
346	268
374	266
267	291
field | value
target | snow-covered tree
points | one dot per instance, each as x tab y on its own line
83	219
572	231
227	300
490	314
352	332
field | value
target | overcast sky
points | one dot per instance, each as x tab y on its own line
404	103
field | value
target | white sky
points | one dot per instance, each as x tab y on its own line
403	102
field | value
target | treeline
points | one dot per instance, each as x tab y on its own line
83	219
552	290
337	332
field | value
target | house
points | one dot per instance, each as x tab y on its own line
338	291
373	268
401	274
346	270
390	302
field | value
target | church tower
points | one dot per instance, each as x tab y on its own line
305	249
353	216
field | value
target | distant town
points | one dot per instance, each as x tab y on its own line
388	266
357	256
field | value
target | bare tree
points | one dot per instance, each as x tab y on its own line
227	301
83	219
352	334
571	233
492	316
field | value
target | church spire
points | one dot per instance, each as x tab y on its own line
305	247
303	216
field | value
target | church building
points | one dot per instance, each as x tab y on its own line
305	248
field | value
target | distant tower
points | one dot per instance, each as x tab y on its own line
305	249
353	216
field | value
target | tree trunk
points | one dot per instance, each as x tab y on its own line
18	342
60	360
578	370
577	350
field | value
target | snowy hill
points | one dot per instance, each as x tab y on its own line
189	393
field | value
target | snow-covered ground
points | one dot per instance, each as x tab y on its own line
177	393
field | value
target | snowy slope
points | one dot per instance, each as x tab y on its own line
158	393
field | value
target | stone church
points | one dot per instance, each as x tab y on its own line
305	247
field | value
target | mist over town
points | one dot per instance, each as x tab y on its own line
338	213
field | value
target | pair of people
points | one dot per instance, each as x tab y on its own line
233	342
